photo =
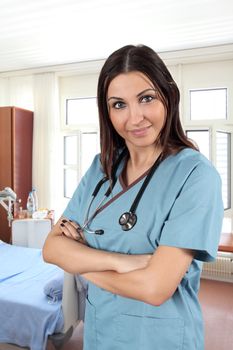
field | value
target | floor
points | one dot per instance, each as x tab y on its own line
217	304
75	342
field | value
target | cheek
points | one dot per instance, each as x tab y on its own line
163	121
117	122
158	118
161	116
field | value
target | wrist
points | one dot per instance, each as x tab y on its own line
113	262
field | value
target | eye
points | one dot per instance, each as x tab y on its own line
118	105
147	98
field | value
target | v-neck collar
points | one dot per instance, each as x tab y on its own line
125	188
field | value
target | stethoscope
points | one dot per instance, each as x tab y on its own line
128	219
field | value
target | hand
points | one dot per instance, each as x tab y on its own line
72	230
126	263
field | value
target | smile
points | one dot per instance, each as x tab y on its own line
140	131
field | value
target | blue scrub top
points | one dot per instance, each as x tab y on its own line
181	207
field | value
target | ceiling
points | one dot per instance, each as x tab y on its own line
42	33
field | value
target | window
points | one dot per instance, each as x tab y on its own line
223	157
208	104
223	164
81	140
70	164
81	111
202	139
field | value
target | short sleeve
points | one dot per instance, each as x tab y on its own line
195	219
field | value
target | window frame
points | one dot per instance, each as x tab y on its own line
78	130
226	119
214	125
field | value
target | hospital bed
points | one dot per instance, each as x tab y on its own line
28	317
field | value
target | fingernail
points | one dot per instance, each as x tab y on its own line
62	225
64	221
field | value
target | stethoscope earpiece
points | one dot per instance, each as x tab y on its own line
127	221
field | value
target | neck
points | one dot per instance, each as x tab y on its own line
143	159
139	163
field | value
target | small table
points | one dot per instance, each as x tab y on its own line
226	242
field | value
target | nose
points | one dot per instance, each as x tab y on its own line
135	114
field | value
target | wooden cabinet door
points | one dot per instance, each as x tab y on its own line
5	147
5	165
15	158
22	125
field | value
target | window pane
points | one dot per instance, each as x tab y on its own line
90	147
202	139
70	182
227	225
70	150
81	111
223	164
208	104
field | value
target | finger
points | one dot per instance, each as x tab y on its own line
65	231
72	230
78	229
74	224
81	234
68	228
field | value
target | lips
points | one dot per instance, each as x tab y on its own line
140	131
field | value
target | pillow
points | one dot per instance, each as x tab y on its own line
54	288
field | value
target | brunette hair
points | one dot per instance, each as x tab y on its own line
143	59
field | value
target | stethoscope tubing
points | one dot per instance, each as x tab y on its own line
128	219
144	185
89	219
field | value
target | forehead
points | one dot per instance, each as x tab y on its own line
129	82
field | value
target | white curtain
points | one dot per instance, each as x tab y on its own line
39	93
46	143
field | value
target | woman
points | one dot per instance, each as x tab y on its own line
144	266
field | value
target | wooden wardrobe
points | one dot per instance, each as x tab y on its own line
16	131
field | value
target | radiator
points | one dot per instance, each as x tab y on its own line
221	269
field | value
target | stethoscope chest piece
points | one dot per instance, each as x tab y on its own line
127	221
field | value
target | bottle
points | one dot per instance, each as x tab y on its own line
30	205
34	193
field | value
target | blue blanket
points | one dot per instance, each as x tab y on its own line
27	316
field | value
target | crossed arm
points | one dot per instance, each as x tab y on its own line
149	278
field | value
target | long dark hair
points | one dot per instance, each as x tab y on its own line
142	59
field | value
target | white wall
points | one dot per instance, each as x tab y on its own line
17	91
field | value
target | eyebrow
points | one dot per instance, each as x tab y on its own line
138	95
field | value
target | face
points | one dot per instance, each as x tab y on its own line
135	109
